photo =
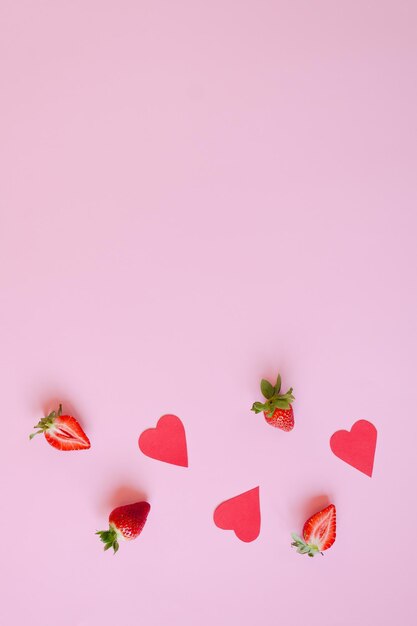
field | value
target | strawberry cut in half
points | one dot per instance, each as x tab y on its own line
62	431
319	532
277	407
125	523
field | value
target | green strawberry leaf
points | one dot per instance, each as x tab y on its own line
258	407
278	385
281	404
274	399
267	389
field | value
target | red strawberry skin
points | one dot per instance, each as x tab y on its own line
281	418
320	528
130	519
63	432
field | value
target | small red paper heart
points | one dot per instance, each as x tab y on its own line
242	514
166	442
356	447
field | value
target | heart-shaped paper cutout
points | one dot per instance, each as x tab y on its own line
356	447
166	442
242	514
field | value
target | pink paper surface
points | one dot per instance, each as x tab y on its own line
356	446
195	195
241	514
166	442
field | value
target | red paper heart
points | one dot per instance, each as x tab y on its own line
356	447
166	442
241	514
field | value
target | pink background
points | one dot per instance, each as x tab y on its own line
195	194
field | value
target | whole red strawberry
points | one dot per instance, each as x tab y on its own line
126	523
277	409
62	431
319	532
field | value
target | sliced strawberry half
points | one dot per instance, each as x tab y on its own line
319	532
62	431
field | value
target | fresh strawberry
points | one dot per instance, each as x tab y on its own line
277	409
62	431
319	532
126	523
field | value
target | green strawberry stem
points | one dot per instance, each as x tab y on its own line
109	538
303	547
46	422
274	398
